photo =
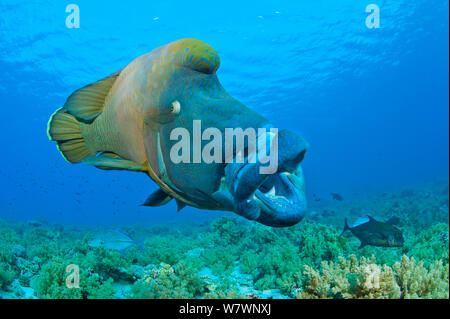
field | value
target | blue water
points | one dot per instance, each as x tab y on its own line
372	103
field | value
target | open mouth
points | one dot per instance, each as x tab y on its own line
278	201
284	201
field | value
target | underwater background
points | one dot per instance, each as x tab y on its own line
372	103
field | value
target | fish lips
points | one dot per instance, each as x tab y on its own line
276	200
285	203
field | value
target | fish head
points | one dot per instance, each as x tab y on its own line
391	237
189	113
395	238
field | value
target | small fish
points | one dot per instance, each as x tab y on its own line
35	223
114	240
336	196
374	233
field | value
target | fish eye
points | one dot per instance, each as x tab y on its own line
175	107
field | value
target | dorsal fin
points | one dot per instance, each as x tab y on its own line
360	221
88	102
371	219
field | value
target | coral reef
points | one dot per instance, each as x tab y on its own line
167	282
364	278
234	258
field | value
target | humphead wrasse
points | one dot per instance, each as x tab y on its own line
126	121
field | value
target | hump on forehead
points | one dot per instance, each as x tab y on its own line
194	54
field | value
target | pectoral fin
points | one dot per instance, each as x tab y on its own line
180	205
157	198
111	161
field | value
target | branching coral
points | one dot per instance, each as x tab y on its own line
418	281
230	230
6	275
319	242
363	278
350	278
51	283
167	282
430	245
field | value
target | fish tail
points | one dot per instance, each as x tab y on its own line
345	227
82	106
64	129
141	244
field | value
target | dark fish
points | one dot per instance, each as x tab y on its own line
374	233
35	223
336	196
394	220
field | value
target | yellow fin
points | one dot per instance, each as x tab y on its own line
64	129
109	162
88	102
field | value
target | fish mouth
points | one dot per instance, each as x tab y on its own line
277	199
283	204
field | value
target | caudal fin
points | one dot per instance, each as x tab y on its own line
141	244
345	227
64	129
83	105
